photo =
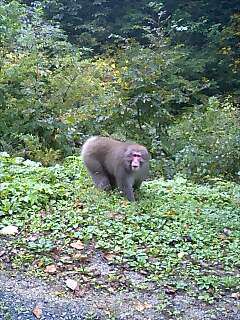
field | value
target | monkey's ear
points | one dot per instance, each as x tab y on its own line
146	155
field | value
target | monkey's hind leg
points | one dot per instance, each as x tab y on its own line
98	174
101	180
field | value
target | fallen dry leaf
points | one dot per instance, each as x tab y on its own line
115	215
109	256
141	306
51	268
77	245
37	312
170	290
71	284
39	263
33	237
124	203
80	257
79	205
236	295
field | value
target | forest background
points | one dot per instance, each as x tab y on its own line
163	73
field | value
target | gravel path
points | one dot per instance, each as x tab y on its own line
19	295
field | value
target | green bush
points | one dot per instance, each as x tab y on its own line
207	143
50	95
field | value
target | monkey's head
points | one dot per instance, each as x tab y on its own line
135	158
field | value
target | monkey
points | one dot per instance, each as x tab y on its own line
112	163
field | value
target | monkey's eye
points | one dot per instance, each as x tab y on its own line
137	155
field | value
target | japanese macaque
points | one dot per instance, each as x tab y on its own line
113	163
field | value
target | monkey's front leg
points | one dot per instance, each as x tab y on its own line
125	185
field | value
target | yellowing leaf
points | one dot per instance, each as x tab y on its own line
181	254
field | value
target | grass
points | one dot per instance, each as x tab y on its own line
178	233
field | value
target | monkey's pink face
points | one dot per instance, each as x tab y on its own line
135	160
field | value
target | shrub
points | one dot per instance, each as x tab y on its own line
207	143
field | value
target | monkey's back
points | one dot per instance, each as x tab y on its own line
105	150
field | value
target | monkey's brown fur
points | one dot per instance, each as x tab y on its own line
114	163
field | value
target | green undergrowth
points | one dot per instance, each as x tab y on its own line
177	232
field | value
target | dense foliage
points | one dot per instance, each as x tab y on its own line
163	73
